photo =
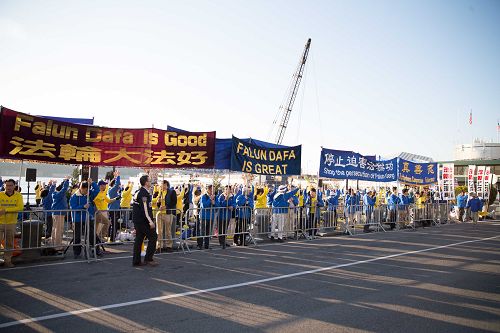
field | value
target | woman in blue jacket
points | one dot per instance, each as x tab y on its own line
225	204
281	208
352	201
332	200
79	206
244	208
59	211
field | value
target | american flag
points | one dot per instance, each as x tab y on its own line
470	118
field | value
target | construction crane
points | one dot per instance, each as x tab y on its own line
292	94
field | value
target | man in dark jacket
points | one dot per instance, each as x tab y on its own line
142	215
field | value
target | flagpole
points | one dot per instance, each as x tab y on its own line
498	131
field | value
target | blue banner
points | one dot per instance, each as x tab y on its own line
417	173
81	121
341	164
262	159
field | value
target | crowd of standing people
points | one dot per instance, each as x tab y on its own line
156	211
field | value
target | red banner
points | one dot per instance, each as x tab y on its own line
27	137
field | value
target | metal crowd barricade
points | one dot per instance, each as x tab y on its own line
262	224
57	231
49	232
363	216
331	219
222	223
352	214
115	227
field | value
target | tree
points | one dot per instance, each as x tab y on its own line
217	179
75	176
459	189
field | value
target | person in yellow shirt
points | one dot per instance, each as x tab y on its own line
180	190
11	203
262	213
101	202
125	203
154	200
38	193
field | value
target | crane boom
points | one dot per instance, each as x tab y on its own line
292	94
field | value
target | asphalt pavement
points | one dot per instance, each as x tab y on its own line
439	279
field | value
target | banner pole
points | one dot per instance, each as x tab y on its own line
87	218
20	174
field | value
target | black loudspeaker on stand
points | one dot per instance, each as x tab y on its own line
30	177
85	173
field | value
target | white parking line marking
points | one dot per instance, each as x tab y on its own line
232	286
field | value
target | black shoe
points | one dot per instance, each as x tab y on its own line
227	245
207	248
280	240
272	238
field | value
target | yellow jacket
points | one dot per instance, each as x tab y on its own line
262	199
102	200
179	201
12	206
126	197
156	189
380	199
38	192
421	202
161	198
301	198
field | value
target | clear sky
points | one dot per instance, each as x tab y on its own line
382	76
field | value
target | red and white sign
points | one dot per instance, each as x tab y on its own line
480	181
447	181
470	178
486	181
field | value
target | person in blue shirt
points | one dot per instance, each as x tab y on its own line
244	209
207	205
79	206
59	211
392	203
114	191
226	204
368	204
462	204
476	205
352	201
404	207
280	211
332	200
47	206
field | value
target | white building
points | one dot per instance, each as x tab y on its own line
478	150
